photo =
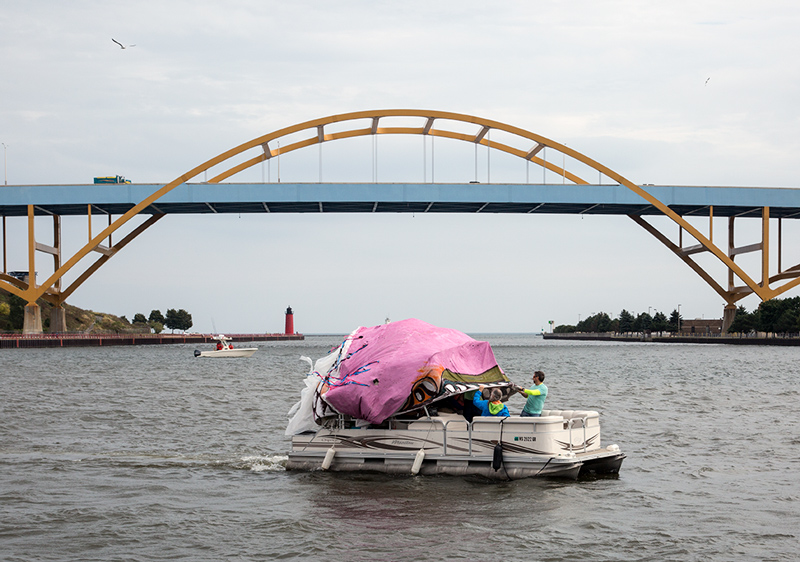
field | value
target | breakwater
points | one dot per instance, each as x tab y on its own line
743	339
8	341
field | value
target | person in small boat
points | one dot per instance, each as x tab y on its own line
536	395
219	345
491	407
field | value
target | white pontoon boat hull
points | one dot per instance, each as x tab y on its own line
559	444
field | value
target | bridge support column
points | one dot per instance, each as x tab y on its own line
728	315
58	319
32	322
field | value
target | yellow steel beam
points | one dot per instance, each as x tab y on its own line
678	251
104	258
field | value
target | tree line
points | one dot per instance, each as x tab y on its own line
779	316
626	322
174	320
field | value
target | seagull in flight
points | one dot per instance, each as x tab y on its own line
121	46
707	79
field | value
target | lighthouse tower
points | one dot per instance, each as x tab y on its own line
289	322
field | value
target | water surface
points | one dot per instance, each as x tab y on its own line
148	453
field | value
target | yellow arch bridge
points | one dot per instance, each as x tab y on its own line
612	194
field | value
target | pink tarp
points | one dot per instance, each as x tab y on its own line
398	366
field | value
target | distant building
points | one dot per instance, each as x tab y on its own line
701	327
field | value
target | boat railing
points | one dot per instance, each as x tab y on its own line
494	422
469	426
570	424
444	424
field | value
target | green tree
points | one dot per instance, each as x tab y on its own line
643	323
603	322
625	321
5	321
674	324
660	322
599	322
564	329
16	314
185	319
743	321
769	313
178	320
787	323
156	316
139	318
778	315
171	319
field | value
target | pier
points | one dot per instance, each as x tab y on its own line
9	341
729	339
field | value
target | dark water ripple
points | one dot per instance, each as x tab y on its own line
152	454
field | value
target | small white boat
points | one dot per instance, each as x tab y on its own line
226	349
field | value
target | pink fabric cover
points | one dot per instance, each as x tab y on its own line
383	363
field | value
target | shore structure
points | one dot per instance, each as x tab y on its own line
101	340
759	338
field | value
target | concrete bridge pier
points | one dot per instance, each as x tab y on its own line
32	322
58	320
728	316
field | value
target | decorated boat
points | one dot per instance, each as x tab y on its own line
224	348
397	398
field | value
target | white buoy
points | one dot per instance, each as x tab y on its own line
326	462
418	462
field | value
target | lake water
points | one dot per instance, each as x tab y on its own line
148	453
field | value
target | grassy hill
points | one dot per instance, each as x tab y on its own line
78	319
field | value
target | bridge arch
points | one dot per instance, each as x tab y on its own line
432	123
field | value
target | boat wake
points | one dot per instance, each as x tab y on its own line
268	463
156	461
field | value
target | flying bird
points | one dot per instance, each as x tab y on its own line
121	46
707	79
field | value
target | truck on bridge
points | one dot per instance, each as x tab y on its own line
111	179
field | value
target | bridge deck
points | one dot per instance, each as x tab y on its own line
199	198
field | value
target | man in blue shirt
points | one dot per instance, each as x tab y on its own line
492	407
536	395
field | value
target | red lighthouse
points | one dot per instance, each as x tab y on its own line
289	322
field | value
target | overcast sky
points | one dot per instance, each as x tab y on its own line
681	93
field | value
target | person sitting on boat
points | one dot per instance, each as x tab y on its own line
536	395
491	407
219	345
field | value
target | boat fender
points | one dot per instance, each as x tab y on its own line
197	353
326	462
418	462
497	457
